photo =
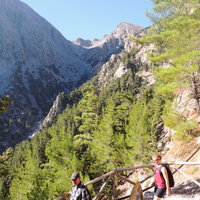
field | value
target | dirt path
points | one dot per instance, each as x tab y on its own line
183	191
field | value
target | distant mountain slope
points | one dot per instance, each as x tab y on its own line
98	51
29	41
37	62
122	32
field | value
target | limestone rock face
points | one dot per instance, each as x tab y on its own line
122	69
126	30
106	75
118	37
82	42
185	105
116	65
142	54
147	77
37	63
56	109
99	51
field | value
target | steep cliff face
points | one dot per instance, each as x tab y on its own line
99	51
29	42
37	63
116	67
57	108
174	150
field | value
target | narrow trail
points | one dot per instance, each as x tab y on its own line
184	191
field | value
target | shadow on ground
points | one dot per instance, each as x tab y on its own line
185	190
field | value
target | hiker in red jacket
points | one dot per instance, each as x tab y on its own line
161	179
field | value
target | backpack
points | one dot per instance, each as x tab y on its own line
170	175
89	195
90	198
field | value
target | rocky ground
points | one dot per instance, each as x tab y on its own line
183	191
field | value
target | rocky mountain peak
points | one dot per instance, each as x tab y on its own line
126	29
122	32
82	42
37	63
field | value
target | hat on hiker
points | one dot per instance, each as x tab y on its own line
75	175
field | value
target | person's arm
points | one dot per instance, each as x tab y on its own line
165	175
63	197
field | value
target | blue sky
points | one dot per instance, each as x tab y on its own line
89	19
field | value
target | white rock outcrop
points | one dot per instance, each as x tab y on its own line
122	69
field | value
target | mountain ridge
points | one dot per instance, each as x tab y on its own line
36	64
123	30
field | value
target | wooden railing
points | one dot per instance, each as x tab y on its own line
137	189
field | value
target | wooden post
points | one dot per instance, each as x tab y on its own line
141	193
136	189
114	187
102	188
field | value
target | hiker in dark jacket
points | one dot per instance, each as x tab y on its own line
78	191
161	179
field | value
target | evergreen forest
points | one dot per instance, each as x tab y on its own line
103	128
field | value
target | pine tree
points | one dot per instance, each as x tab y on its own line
176	34
4	102
177	44
40	190
88	108
142	128
5	173
103	142
87	121
62	162
23	174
